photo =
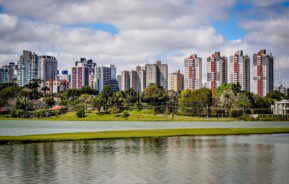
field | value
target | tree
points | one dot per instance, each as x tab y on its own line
172	103
227	100
276	95
98	102
80	113
49	102
45	89
106	96
88	90
195	102
125	114
155	95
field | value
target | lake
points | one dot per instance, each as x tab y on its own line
24	127
175	160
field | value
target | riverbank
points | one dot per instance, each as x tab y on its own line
139	134
134	116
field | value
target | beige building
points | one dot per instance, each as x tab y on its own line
157	74
125	80
176	81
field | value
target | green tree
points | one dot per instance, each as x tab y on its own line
80	113
227	100
49	102
45	89
98	102
125	114
276	95
156	97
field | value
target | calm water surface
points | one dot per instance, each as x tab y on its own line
20	127
220	159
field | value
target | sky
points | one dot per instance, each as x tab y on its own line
133	32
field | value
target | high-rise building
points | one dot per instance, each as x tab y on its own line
8	73
125	80
193	73
105	76
176	81
240	70
87	63
263	73
47	68
283	90
134	80
157	74
118	78
3	75
217	72
141	73
79	76
27	68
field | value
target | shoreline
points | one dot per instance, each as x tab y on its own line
128	134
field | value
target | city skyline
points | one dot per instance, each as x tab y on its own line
144	31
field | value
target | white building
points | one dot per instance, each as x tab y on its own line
105	76
217	71
47	68
263	73
281	107
27	68
193	73
240	70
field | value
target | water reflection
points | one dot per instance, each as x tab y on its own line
222	159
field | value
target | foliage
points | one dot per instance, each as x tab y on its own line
80	113
98	102
49	102
195	103
125	114
276	95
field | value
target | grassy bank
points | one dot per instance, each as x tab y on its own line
139	134
134	116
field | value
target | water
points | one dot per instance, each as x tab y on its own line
176	160
20	127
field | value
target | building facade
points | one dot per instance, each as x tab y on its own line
217	71
263	73
240	70
281	107
47	68
193	72
27	68
176	81
283	90
141	73
157	74
79	76
105	76
125	80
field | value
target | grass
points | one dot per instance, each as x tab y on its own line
134	116
139	134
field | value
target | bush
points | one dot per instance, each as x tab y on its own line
236	113
113	110
125	114
19	113
80	113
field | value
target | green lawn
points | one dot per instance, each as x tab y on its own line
139	134
134	116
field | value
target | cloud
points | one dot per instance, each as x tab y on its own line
146	31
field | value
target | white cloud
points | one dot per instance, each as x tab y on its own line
148	31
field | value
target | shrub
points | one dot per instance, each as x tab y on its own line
236	113
80	113
125	114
